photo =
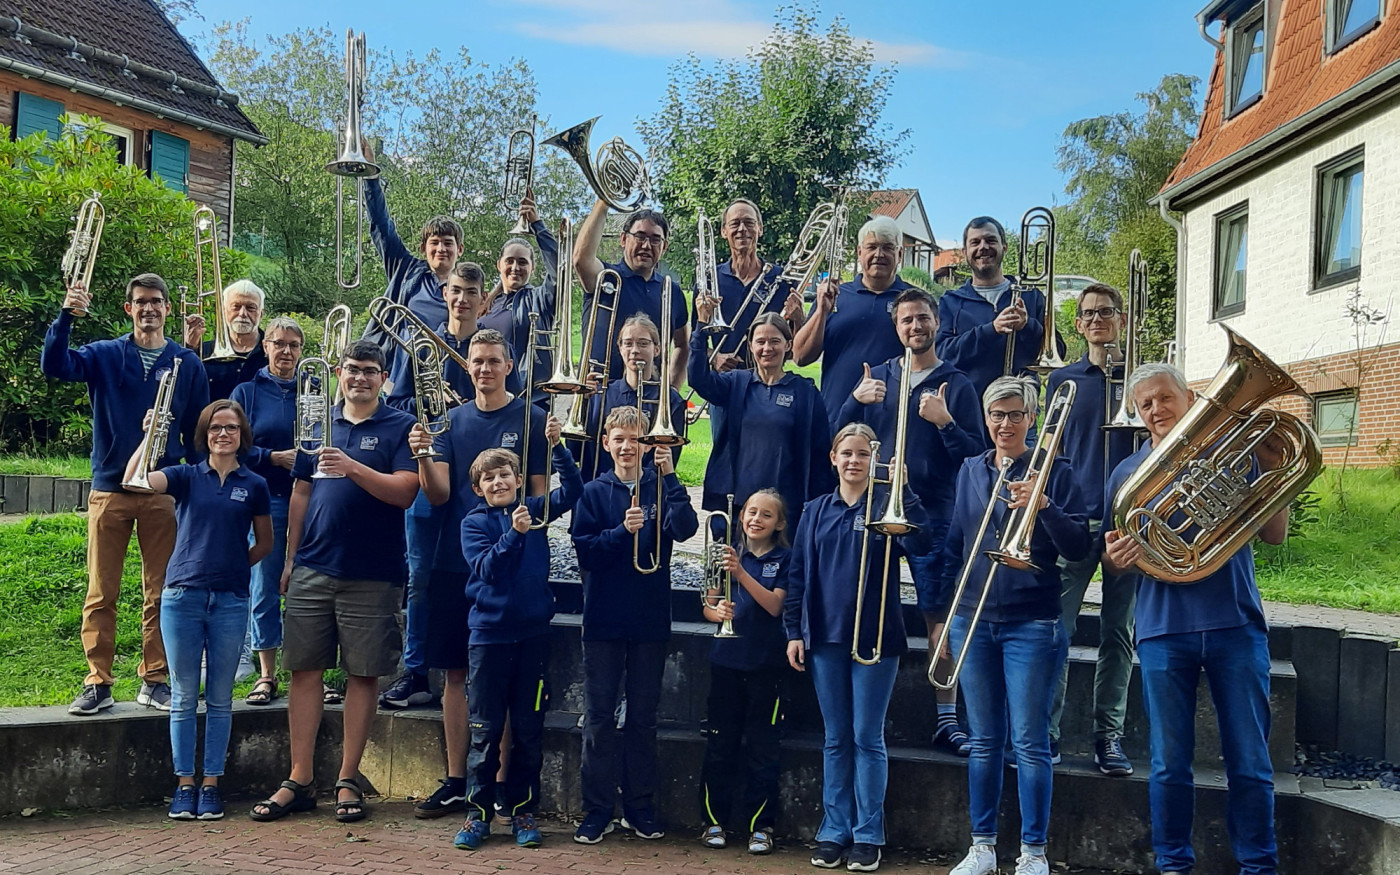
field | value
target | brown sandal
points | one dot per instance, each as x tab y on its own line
264	691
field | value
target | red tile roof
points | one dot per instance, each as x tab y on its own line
947	258
890	202
1301	77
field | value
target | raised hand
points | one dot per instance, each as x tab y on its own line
869	390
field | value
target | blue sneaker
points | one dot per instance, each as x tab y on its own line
183	805
596	824
211	803
643	822
527	833
472	834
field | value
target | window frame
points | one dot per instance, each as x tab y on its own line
128	158
1255	16
1336	20
1351	437
1220	220
1331	168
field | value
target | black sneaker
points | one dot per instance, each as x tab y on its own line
829	855
863	858
94	698
450	796
1109	757
643	822
408	690
155	695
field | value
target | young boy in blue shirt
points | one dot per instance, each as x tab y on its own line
508	657
626	621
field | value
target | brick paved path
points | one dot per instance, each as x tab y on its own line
391	841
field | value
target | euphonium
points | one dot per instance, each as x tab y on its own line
1014	549
1036	266
206	267
617	174
717	576
429	392
520	172
157	432
313	426
663	433
1126	416
707	274
351	162
81	256
1189	505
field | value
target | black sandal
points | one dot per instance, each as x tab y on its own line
303	799
330	695
353	809
263	692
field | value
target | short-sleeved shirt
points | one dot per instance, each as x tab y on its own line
349	533
1094	450
860	332
760	642
212	520
637	295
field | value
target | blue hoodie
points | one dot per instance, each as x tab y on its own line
120	392
271	405
509	313
411	282
967	340
508	583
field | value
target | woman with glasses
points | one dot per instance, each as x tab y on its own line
204	605
1016	649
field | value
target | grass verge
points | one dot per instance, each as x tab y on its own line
73	467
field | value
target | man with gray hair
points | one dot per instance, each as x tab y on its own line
852	326
243	303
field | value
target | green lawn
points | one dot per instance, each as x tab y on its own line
74	467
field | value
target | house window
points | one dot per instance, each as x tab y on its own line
1334	414
1349	19
1246	55
1231	257
121	139
1337	254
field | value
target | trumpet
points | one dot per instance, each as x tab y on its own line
157	432
707	274
206	266
313	426
1014	550
1036	265
429	392
662	433
1127	416
81	256
717	576
351	162
617	174
520	171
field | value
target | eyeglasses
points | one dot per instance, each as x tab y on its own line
1104	313
223	429
738	224
1015	417
654	239
352	371
293	345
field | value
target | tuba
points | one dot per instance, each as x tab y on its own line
157	432
352	162
1189	505
81	256
206	267
617	173
520	172
1036	265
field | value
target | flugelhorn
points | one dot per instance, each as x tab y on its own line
1014	549
209	285
429	392
352	161
520	172
717	576
157	432
1036	266
1190	505
617	174
81	256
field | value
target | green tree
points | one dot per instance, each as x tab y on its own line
802	113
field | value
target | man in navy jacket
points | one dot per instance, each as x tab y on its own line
122	376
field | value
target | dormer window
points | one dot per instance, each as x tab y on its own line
1245	44
1349	19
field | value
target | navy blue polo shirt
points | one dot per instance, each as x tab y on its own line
1086	442
733	293
349	533
212	521
473	430
271	405
1227	599
760	642
636	296
860	332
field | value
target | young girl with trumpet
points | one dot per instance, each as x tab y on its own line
853	664
745	674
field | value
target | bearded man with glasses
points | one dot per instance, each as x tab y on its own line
243	303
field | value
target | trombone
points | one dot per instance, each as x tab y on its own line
565	378
1014	550
81	256
531	351
575	427
662	433
1036	265
1127	416
717	577
707	274
157	432
352	161
617	174
520	171
206	266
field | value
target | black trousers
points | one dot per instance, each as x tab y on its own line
625	760
507	679
743	727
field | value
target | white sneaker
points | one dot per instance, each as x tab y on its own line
980	860
1032	864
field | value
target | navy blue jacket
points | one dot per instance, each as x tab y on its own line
620	603
508	582
225	376
120	392
1061	529
271	405
934	454
411	282
967	340
860	332
820	606
619	394
1087	443
510	313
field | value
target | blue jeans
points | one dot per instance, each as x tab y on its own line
855	767
1236	663
196	623
265	586
421	534
1010	670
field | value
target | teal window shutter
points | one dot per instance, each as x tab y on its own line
170	160
37	114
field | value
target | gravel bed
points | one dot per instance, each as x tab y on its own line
686	570
1333	765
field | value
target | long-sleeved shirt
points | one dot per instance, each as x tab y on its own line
508	583
411	282
968	341
271	405
509	313
860	332
620	394
1094	450
619	602
120	391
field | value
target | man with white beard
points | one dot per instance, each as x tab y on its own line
243	303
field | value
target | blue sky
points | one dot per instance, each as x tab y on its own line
985	89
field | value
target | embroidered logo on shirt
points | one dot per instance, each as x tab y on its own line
784	400
239	494
509	440
889	307
369	442
1118	392
770	569
859	523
